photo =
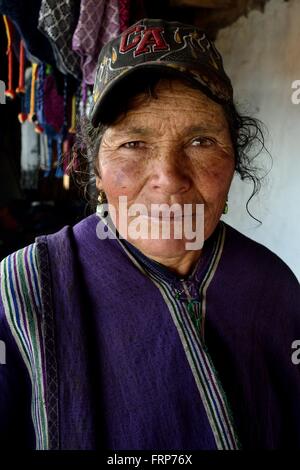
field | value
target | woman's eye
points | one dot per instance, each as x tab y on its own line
135	144
202	142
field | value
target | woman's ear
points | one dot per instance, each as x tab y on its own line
98	175
98	182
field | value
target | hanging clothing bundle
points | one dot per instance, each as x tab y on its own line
30	140
8	27
85	38
24	16
57	21
58	44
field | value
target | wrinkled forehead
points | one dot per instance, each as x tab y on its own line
174	100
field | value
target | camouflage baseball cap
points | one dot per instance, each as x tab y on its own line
154	44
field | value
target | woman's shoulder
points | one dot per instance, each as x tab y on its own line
20	285
257	259
21	331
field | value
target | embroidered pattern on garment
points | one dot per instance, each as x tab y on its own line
205	375
20	291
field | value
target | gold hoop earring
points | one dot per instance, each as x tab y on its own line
100	209
101	198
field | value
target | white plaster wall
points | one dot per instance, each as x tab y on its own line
262	56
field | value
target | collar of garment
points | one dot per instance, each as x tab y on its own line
191	281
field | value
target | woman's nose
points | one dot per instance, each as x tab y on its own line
170	174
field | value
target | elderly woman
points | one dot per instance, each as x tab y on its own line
119	339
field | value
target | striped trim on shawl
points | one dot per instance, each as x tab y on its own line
210	389
205	375
20	291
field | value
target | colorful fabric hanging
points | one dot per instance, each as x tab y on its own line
110	26
51	110
85	38
30	149
98	23
124	13
53	104
30	156
44	158
63	36
20	90
21	85
32	115
58	20
72	129
24	15
9	92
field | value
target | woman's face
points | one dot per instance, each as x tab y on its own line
174	148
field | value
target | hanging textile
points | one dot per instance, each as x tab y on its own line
85	38
30	155
53	104
62	39
110	26
50	112
24	15
43	146
124	13
58	20
21	84
9	92
98	23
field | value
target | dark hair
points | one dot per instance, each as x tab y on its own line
247	134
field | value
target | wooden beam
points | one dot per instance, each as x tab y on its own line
203	3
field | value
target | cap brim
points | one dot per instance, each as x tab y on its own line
98	112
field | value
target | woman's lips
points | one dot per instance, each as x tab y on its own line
162	217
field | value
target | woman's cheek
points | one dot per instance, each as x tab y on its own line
214	172
120	180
